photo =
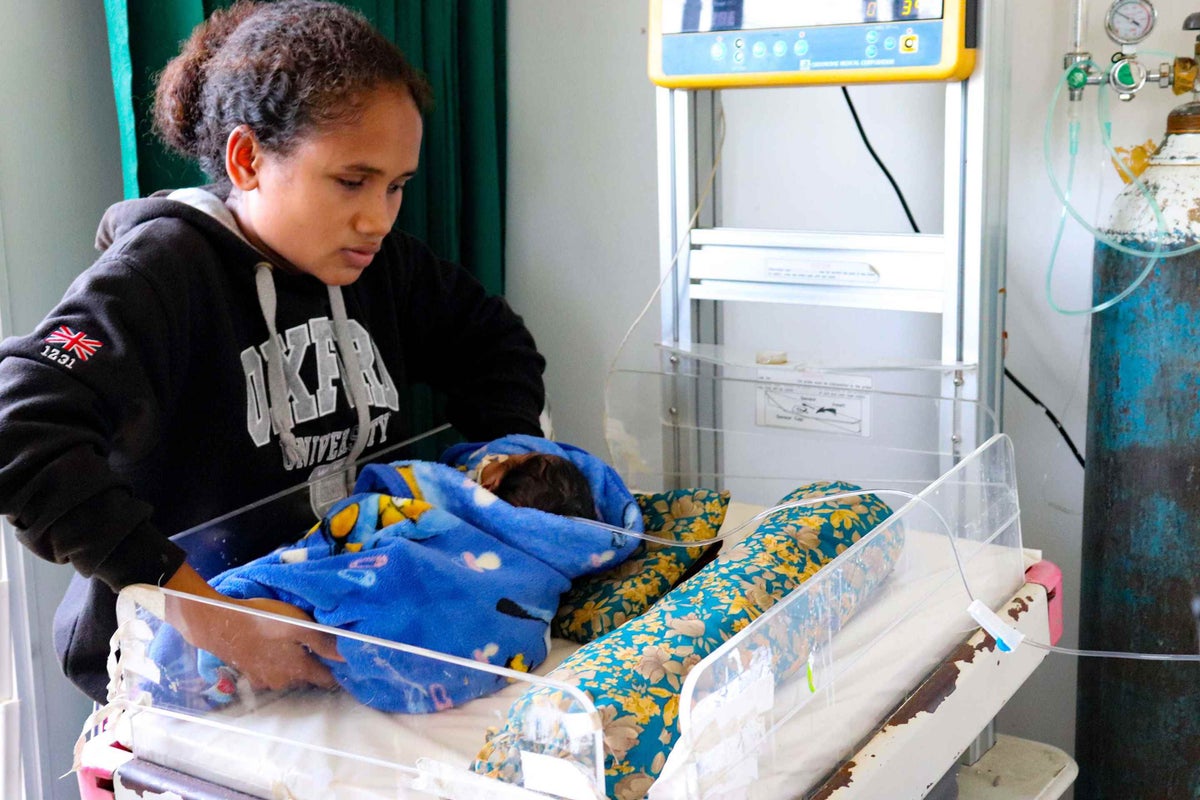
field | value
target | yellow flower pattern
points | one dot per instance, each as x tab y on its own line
597	604
634	673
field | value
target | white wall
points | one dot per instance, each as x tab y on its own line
582	237
582	192
59	169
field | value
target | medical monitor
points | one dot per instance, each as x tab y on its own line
698	44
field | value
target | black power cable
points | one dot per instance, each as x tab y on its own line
911	221
1049	413
866	140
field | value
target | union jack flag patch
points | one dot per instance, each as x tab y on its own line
74	342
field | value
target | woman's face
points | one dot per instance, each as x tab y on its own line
324	208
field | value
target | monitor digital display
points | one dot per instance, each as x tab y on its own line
697	16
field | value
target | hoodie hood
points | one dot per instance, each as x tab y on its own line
204	207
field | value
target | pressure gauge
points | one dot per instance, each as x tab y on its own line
1130	21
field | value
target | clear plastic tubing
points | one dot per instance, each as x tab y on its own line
1064	196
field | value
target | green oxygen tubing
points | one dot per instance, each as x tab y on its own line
1157	253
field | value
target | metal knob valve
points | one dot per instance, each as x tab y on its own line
1127	77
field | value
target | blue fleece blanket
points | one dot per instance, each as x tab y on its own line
421	554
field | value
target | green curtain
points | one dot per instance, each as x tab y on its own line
456	201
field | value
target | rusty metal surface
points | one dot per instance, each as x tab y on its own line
842	778
927	698
139	778
1138	722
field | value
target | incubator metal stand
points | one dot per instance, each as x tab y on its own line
957	275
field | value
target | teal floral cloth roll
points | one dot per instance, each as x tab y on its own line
634	673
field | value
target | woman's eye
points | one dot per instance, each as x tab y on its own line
351	184
395	187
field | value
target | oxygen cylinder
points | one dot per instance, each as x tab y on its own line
1138	722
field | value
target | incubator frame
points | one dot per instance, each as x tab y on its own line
958	274
778	681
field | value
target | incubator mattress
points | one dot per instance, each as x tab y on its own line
350	750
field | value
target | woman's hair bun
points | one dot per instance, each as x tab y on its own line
178	112
283	69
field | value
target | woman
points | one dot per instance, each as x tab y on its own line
235	340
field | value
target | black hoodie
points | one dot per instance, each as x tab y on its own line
144	403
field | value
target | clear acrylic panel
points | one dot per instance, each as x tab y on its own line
321	743
792	695
711	417
755	716
184	709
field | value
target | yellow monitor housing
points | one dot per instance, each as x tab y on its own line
710	44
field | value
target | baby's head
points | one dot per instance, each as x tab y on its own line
539	480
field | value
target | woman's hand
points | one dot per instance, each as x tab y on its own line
271	654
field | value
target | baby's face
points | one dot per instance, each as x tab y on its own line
493	468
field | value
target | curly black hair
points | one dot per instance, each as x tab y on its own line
284	69
549	483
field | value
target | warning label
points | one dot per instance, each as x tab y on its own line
815	401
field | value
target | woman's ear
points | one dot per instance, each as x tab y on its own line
242	157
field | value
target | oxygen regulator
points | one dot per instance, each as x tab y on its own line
1128	23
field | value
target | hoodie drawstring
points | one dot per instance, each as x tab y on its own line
277	391
354	377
